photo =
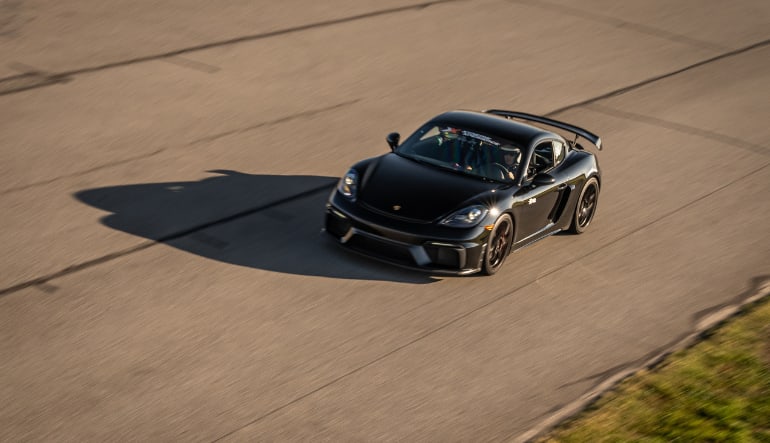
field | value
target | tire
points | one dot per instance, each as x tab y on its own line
498	245
585	207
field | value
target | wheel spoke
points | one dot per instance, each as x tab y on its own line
499	244
587	204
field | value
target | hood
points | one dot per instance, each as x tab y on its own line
422	192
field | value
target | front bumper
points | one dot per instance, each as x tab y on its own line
423	247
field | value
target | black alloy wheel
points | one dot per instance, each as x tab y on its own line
499	244
586	206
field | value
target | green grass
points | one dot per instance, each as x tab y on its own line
715	391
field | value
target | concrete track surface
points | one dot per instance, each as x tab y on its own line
165	166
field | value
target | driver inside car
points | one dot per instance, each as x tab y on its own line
511	159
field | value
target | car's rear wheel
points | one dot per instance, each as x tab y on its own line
498	245
585	207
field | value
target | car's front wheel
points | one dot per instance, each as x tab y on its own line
585	207
498	245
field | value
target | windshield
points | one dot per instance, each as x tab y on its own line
463	150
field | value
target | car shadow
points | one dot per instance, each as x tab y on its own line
270	222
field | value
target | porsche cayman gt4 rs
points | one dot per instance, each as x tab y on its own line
465	190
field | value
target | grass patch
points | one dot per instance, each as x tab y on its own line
715	391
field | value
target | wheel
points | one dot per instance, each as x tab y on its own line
585	207
498	245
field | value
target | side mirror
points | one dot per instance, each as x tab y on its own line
393	139
543	180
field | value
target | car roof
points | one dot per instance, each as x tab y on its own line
519	133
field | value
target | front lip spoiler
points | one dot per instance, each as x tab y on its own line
435	271
415	246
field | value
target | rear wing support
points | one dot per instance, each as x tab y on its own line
578	131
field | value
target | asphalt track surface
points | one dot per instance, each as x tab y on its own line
165	167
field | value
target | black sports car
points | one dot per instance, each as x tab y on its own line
465	190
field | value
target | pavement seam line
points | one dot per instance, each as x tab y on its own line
620	23
586	102
83	172
284	119
60	77
483	306
63	77
679	127
287	118
651	80
76	268
164	239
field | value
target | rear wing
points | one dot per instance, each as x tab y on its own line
578	131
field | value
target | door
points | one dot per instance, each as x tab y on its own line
538	201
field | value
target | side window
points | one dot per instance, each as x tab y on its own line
428	145
542	157
559	153
432	132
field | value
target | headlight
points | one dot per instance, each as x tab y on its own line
467	217
348	184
